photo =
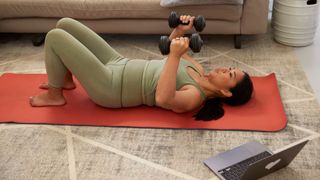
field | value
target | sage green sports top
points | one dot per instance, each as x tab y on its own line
140	78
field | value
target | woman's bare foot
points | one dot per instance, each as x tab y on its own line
66	86
53	97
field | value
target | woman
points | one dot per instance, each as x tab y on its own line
178	83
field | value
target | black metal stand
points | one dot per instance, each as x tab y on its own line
237	41
38	39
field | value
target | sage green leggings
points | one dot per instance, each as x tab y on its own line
73	46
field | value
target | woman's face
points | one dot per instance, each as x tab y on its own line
224	78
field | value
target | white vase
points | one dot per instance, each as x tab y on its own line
295	22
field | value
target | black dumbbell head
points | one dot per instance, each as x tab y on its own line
195	42
173	20
164	45
199	23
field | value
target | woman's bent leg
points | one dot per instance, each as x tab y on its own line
62	53
97	45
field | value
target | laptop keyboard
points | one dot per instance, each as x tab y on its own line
237	170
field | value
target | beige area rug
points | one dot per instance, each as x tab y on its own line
72	152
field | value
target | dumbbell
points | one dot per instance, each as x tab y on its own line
195	43
174	20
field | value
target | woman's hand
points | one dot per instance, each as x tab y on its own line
179	46
185	19
181	29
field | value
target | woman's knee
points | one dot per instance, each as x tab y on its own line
64	22
56	35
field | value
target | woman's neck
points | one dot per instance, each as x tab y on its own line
209	89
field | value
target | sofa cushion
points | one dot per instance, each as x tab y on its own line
175	3
110	9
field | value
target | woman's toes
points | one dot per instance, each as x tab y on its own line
31	100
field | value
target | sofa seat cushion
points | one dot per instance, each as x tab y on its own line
111	9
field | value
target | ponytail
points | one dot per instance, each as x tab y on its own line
212	110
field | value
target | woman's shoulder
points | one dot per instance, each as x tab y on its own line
196	89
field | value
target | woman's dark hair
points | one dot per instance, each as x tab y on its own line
241	93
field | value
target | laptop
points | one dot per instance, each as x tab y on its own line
252	160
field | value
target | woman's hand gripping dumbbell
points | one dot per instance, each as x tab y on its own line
174	20
195	43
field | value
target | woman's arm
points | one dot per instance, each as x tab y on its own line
166	94
166	87
179	31
176	33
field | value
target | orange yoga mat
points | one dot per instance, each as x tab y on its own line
264	112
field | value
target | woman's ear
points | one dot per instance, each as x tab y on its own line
226	93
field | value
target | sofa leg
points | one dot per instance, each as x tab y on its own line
237	41
38	39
